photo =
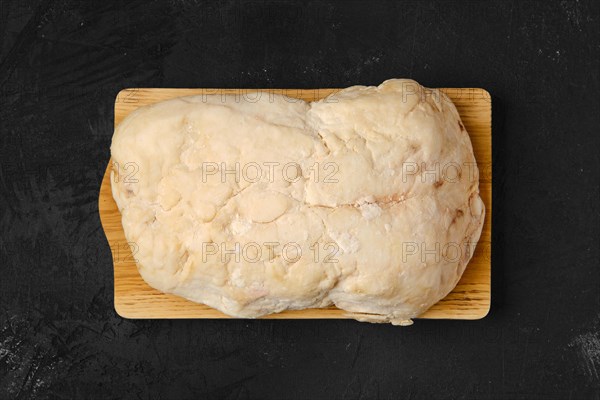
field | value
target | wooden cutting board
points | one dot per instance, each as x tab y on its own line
135	299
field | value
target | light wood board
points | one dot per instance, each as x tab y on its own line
135	299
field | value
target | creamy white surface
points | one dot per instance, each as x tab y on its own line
373	200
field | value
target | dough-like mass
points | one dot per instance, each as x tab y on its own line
258	203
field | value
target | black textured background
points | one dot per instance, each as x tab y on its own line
61	65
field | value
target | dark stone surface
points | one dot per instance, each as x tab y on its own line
61	64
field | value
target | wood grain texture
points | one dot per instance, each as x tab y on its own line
135	299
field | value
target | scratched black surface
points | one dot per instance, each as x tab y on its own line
61	64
